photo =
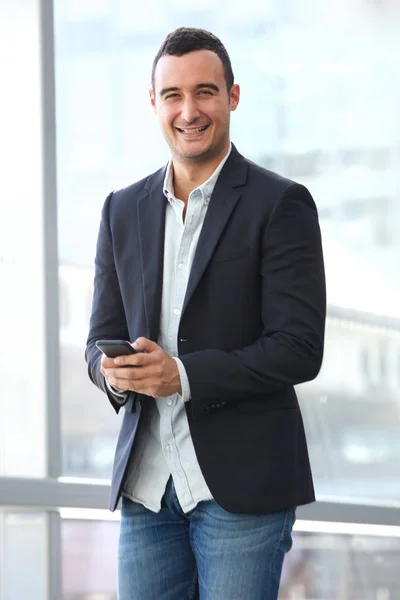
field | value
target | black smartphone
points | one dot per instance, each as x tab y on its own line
114	348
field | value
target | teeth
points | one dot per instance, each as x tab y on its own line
194	130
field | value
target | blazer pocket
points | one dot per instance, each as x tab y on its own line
232	255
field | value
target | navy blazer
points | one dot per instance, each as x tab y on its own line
251	328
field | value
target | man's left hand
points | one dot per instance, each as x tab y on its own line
151	371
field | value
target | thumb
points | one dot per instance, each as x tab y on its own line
142	344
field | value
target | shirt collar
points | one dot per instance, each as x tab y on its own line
205	188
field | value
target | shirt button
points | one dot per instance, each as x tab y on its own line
177	311
167	448
181	265
169	402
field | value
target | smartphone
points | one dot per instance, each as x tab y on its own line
114	348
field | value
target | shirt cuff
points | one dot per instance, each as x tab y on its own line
121	394
186	395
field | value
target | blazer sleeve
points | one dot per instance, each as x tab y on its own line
290	349
107	320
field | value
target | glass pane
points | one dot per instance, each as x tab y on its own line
23	555
319	566
326	118
332	567
22	376
352	410
89	555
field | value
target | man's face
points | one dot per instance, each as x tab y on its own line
193	105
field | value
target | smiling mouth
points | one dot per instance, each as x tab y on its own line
192	131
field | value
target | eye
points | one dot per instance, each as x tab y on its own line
206	92
171	97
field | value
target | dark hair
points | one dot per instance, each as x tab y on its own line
188	39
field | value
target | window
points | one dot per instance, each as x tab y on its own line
301	165
365	364
383	363
89	550
22	257
23	541
320	565
322	118
104	99
64	306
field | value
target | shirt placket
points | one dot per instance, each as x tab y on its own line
181	276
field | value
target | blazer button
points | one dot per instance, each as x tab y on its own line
183	340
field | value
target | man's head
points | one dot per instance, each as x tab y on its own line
193	93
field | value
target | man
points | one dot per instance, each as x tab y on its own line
212	267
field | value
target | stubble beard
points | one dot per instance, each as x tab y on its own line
208	154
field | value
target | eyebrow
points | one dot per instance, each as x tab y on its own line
167	90
211	86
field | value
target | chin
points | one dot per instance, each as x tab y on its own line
195	156
196	153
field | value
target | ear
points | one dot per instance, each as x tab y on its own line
235	96
153	100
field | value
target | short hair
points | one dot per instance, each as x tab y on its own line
189	39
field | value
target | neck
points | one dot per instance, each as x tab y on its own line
188	176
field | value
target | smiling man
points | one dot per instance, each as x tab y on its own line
212	268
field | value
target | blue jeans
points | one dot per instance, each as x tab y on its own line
208	553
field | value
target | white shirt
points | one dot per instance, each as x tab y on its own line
163	445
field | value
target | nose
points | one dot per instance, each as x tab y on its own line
189	110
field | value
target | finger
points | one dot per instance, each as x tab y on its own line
115	378
143	344
131	373
141	359
137	378
107	362
118	386
131	384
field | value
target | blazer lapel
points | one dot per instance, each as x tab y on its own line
151	221
222	202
